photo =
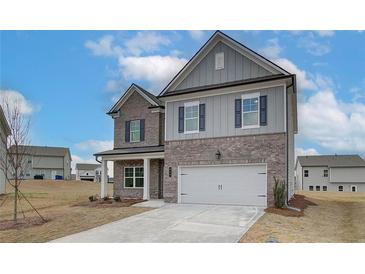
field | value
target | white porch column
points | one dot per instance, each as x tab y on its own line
146	179
104	179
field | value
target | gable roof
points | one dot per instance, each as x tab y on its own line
331	161
87	166
219	36
4	122
44	150
149	97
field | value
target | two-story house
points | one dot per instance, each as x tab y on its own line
218	133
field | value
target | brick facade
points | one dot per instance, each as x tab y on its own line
155	177
265	148
135	108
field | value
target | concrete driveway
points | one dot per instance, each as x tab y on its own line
178	223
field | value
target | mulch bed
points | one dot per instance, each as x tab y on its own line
298	202
109	203
21	223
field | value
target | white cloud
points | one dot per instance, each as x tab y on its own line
155	69
272	49
104	46
15	98
197	34
158	70
314	47
95	145
304	79
302	152
146	41
325	33
333	124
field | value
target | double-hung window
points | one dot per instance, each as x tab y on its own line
250	110
191	118
325	173
135	131
133	177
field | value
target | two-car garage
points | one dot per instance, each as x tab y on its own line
223	184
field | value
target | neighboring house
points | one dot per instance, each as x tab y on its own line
88	172
4	133
341	173
218	133
49	163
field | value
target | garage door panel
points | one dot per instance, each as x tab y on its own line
240	185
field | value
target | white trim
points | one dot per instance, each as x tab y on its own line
146	178
128	93
250	54
355	186
134	156
165	121
251	96
221	91
191	104
285	110
134	177
338	188
218	165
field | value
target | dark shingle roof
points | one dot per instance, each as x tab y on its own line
45	151
332	160
150	95
87	166
133	150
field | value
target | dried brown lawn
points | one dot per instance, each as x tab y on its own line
56	202
336	218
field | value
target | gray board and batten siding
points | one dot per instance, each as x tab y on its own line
236	67
220	115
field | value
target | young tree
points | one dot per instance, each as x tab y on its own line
13	162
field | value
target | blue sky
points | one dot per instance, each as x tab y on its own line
67	80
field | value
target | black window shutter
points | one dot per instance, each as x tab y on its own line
141	132
238	113
127	131
202	117
181	119
263	110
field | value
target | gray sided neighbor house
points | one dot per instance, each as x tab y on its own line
4	133
48	163
218	133
340	173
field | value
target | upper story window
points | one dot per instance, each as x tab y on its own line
135	131
191	118
306	173
325	173
250	110
219	60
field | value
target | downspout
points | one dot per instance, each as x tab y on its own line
287	140
96	159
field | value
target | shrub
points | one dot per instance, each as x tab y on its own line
279	193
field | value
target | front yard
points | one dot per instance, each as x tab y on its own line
336	217
56	201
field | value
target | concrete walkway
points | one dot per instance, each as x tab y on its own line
178	223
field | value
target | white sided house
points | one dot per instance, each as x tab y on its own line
4	133
88	172
339	173
46	163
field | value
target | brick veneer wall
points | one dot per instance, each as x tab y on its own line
265	148
122	192
136	107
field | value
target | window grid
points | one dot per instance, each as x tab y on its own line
133	177
135	130
250	111
191	118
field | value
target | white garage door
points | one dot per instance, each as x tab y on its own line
230	185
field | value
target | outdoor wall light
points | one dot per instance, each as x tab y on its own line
218	155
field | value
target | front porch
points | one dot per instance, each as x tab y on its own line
138	172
